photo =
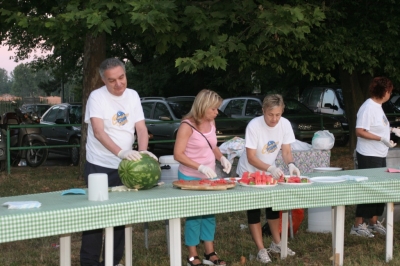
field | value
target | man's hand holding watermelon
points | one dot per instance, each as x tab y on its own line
150	154
130	155
133	155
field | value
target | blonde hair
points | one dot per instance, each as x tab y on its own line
204	99
273	100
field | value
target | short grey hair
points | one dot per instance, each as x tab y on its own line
273	100
110	63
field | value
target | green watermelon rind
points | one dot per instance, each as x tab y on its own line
147	168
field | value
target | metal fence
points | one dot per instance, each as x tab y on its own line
9	127
9	149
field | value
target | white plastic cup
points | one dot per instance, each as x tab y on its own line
98	187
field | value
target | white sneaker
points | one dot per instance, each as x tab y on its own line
276	248
378	227
263	256
361	230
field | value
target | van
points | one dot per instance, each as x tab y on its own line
324	99
328	99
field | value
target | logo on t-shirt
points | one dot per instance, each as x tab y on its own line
120	118
385	121
270	147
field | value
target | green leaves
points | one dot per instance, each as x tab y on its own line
201	59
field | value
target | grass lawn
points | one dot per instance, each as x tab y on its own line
231	242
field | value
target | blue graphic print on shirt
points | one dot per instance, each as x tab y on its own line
270	147
120	118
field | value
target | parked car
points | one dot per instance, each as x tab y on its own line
152	98
171	110
304	121
38	109
329	99
64	113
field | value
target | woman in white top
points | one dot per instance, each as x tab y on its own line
265	137
373	142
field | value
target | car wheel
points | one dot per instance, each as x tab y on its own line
36	157
75	152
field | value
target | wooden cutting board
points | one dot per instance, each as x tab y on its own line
199	185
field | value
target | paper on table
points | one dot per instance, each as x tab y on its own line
355	178
22	204
393	170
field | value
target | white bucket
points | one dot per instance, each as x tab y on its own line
169	168
320	219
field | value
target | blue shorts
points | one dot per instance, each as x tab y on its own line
198	228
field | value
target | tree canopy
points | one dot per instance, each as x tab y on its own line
183	46
5	83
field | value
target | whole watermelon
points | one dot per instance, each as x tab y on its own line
141	174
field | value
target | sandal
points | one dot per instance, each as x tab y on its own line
191	259
216	262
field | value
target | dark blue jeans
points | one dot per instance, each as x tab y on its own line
92	241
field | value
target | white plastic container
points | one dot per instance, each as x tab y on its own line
320	219
169	168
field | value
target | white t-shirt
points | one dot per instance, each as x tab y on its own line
119	113
266	140
372	118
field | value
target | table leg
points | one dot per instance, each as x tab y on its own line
175	242
109	246
333	228
284	235
389	231
339	236
128	245
65	250
146	235
167	234
291	225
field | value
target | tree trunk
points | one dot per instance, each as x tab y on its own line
355	92
94	54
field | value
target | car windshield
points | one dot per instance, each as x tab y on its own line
75	115
340	97
180	108
293	107
42	108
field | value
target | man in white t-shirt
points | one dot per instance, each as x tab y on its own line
113	114
265	137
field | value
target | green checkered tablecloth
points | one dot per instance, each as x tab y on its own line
74	213
381	186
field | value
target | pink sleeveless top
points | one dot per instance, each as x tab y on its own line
199	151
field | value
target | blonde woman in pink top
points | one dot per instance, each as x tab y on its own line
196	150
